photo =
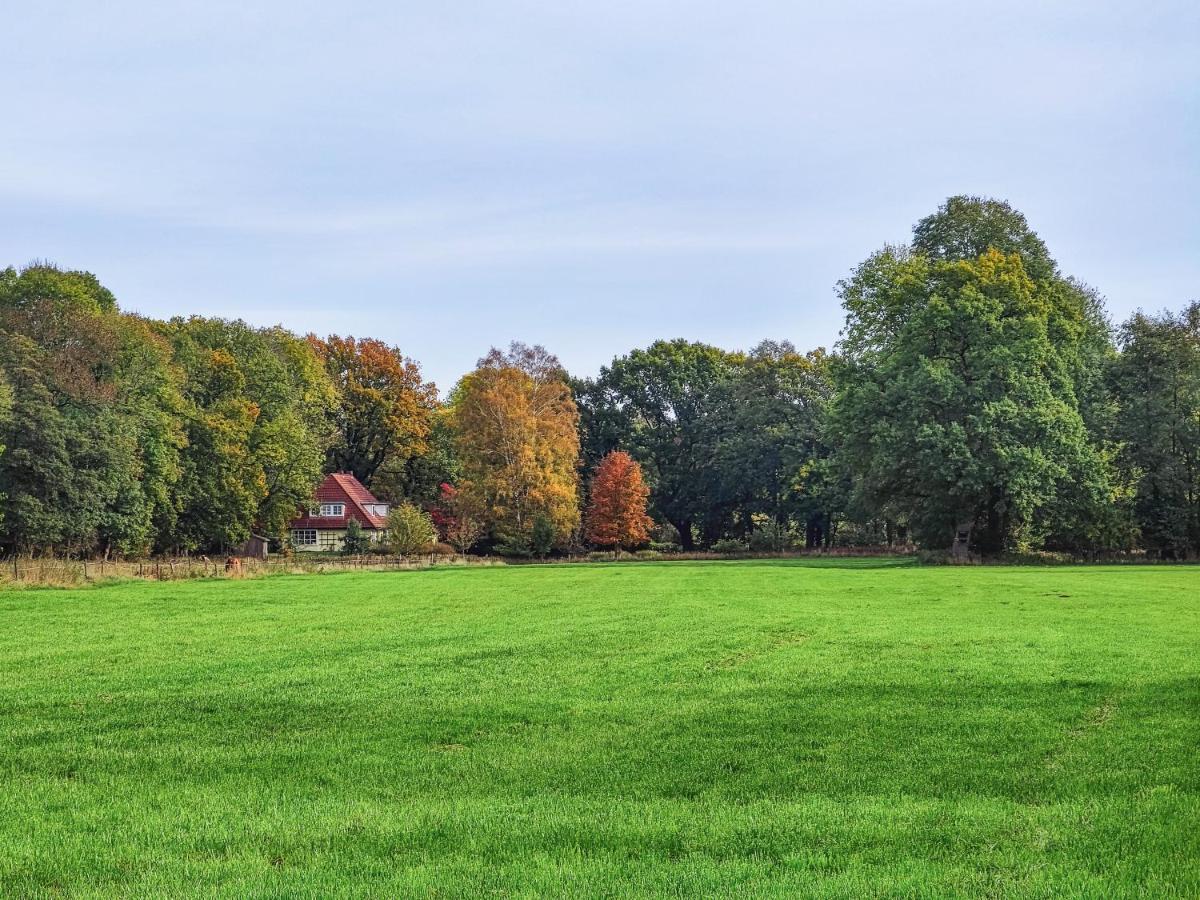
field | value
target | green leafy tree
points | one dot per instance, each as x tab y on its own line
768	443
955	405
410	530
1157	381
965	228
257	419
660	404
102	381
36	474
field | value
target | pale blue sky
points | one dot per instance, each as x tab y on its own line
588	175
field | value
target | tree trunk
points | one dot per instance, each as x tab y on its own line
686	541
960	550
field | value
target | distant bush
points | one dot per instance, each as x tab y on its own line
648	554
410	530
772	540
728	545
665	547
541	540
666	533
442	549
516	545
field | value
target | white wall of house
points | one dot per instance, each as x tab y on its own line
325	540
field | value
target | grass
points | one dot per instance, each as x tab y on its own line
840	728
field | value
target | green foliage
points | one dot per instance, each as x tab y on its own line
965	228
542	536
955	407
514	545
410	530
722	437
1157	381
729	545
768	442
257	411
94	436
970	393
356	542
420	477
977	391
44	286
657	403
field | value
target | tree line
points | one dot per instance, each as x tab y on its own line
979	400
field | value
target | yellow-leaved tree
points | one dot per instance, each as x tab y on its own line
516	433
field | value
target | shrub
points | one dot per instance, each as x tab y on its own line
771	540
357	541
665	547
666	533
541	541
728	545
513	545
410	530
648	554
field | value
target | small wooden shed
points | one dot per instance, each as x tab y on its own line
254	548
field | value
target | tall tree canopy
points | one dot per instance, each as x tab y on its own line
1157	383
383	415
659	403
257	422
956	406
515	426
768	443
94	439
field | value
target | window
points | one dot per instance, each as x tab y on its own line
333	509
304	537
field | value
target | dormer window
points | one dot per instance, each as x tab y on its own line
333	510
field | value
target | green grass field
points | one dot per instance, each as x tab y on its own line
838	728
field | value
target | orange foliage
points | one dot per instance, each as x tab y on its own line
385	409
616	515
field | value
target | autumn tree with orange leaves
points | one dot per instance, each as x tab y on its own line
385	411
516	435
616	514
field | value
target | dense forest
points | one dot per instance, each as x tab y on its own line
979	400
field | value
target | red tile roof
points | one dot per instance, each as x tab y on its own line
344	488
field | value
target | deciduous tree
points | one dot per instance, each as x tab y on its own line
458	519
515	426
259	402
1157	383
616	514
955	405
384	411
410	530
661	404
